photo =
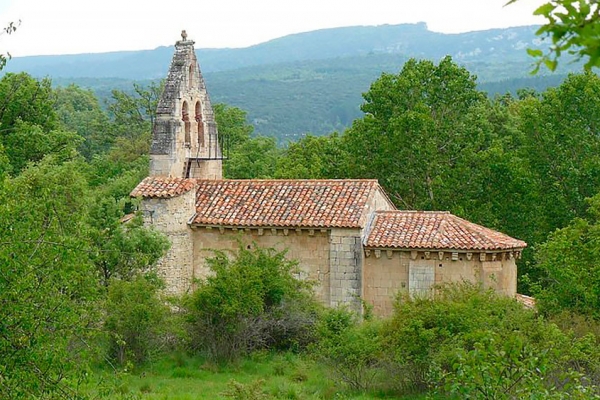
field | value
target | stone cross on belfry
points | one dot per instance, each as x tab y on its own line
184	35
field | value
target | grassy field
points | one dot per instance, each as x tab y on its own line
272	376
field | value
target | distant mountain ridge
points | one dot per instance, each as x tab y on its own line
306	82
412	40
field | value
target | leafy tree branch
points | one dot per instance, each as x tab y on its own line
574	27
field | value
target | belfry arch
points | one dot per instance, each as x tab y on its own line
200	123
185	117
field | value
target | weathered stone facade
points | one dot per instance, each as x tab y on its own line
390	272
346	234
309	247
170	216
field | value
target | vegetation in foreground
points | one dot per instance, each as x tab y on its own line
263	375
467	344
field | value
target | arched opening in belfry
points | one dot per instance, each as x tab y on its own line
191	77
200	124
185	117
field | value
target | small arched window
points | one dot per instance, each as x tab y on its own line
200	123
185	117
191	76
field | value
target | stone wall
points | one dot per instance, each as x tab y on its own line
168	154
310	247
390	272
378	201
346	260
170	217
207	169
385	275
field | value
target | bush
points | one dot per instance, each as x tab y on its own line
250	391
512	368
474	343
252	301
138	321
350	348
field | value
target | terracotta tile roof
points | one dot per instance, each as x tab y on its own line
126	218
163	187
434	230
294	203
527	301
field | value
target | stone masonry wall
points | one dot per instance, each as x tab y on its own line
170	217
384	277
210	169
346	258
387	273
309	247
378	201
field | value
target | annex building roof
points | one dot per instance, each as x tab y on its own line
163	187
434	230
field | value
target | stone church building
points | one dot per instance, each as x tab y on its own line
346	234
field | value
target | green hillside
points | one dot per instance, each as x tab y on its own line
309	82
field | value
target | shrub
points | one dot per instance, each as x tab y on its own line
250	391
474	343
350	348
136	319
251	301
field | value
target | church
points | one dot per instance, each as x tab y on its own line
346	234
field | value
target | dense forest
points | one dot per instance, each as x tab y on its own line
81	306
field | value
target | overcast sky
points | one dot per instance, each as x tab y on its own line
91	26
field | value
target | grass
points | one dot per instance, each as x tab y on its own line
272	376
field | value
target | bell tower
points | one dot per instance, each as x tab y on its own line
185	140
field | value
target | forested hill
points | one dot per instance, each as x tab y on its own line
307	82
411	40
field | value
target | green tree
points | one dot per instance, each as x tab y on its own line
136	319
351	348
121	250
313	157
247	157
474	343
136	110
573	27
132	116
568	263
421	131
504	190
78	110
27	143
47	281
561	144
234	129
255	159
28	125
25	99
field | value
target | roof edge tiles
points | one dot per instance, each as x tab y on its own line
435	230
163	187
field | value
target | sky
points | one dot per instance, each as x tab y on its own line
93	26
